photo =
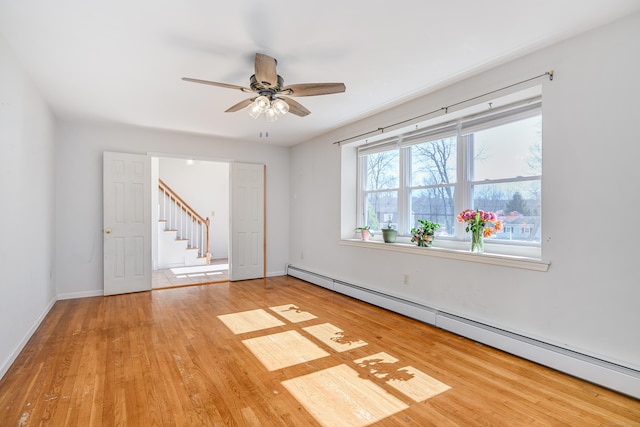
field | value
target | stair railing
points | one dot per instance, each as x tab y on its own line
179	216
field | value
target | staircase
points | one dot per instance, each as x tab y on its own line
183	234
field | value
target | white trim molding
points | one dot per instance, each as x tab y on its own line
16	352
485	258
606	373
83	294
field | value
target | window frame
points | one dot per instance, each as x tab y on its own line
464	126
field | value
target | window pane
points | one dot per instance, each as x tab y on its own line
508	151
517	204
434	162
381	207
383	170
434	204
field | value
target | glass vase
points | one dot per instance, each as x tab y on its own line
477	240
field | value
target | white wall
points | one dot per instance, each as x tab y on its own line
79	265
27	208
204	185
588	300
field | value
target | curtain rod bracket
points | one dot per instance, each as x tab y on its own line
550	73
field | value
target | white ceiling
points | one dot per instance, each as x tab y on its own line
122	60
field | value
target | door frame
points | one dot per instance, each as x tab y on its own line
155	158
152	215
154	201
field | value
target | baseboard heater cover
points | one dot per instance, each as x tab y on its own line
310	277
608	374
379	299
391	303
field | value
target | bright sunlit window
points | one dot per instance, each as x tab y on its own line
490	160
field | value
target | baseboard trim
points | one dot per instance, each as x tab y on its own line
14	355
275	273
83	294
612	375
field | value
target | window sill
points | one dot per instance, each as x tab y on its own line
526	263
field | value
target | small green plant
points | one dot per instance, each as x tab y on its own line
366	227
423	234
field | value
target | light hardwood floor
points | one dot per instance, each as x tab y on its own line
278	352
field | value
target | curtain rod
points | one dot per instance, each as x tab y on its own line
446	109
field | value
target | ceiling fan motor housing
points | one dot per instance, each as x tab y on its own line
263	90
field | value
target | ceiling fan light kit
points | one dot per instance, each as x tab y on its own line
259	106
280	106
272	110
268	85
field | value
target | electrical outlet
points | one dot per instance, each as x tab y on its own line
301	255
406	279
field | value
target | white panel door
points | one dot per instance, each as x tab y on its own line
127	223
247	221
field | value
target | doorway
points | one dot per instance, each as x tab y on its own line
132	223
204	186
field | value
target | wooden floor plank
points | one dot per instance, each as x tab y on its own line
165	358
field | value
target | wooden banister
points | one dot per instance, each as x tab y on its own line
189	212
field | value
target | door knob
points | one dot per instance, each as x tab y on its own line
107	231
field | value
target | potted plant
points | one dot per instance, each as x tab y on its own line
389	234
424	233
365	232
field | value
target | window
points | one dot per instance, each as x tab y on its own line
433	175
382	187
490	160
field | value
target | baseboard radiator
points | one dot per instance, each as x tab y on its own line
607	374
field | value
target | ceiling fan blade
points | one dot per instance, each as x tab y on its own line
296	108
312	89
225	85
266	73
240	105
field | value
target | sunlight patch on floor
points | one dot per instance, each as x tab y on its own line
199	269
408	380
184	276
357	395
284	349
249	321
334	337
292	313
339	396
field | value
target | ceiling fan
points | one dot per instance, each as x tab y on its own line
269	87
